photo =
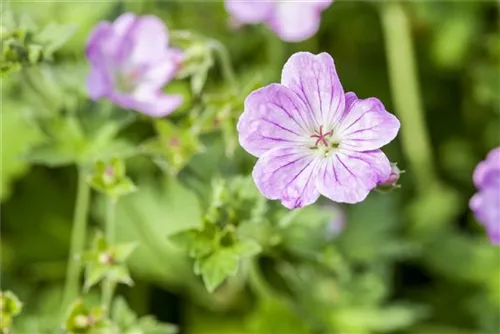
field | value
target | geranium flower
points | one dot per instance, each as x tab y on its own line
131	62
313	139
486	202
292	21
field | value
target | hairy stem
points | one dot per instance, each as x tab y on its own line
77	244
225	62
406	93
108	286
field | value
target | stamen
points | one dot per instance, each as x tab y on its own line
321	137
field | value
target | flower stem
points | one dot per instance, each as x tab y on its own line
257	281
225	61
108	286
77	244
110	220
406	93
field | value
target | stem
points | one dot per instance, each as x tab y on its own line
276	52
108	286
225	61
406	93
77	244
257	282
110	220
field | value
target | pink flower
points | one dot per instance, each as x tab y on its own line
292	21
313	139
131	62
486	202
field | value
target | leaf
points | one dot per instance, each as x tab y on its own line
121	313
247	248
121	252
149	217
150	325
20	135
119	274
387	319
93	275
217	267
275	316
54	35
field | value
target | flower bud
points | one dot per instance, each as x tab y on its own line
391	182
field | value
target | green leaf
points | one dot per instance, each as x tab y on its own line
149	217
121	252
93	275
247	248
20	135
275	316
388	319
54	35
217	267
121	313
119	274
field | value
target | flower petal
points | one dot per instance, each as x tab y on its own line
154	104
366	125
273	116
348	177
315	80
487	172
158	74
288	174
123	23
295	21
322	4
486	206
150	39
101	43
98	83
250	11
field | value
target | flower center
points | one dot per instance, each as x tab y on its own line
322	137
325	141
126	81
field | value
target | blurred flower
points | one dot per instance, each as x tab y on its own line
486	202
291	21
131	62
313	139
336	224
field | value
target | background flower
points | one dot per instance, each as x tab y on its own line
313	139
292	21
486	202
131	62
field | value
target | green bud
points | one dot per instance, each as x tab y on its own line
110	178
107	262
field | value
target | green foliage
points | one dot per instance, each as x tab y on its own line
23	44
107	262
207	247
10	307
82	319
111	179
127	322
174	147
217	248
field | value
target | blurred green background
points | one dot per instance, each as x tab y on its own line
410	261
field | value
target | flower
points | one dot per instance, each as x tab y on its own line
313	139
292	21
131	62
486	202
337	222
